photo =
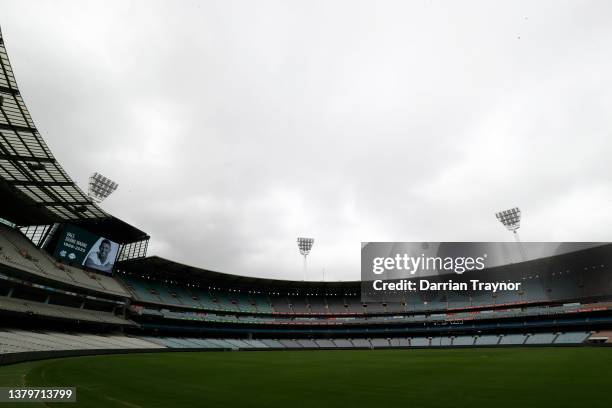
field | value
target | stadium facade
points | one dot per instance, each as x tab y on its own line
54	301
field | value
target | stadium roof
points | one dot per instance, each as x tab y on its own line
160	268
166	269
112	228
35	189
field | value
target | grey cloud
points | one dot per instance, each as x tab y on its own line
235	126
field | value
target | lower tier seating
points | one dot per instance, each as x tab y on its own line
15	341
375	343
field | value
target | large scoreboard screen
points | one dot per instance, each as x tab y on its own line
79	247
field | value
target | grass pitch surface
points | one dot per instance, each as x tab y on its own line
499	377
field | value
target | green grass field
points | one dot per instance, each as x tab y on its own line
493	377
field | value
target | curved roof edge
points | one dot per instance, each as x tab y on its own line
165	268
157	265
34	187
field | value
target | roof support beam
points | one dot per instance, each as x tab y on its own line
9	90
39	183
14	157
16	128
64	204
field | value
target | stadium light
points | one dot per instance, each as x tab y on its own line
305	245
511	219
100	187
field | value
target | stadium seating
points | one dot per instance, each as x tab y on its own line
571	338
180	304
272	343
324	343
308	343
174	306
18	251
419	342
540	338
512	339
446	341
290	343
402	342
386	319
487	340
534	290
342	343
361	343
15	341
337	305
463	341
280	304
256	343
62	312
378	343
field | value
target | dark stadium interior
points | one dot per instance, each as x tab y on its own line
160	303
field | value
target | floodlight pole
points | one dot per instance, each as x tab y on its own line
520	244
305	245
511	219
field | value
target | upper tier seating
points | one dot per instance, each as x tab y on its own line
17	250
562	286
158	292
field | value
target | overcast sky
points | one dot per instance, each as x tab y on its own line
233	127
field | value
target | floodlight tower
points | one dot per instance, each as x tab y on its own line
511	219
305	245
100	187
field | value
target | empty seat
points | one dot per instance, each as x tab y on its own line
571	338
